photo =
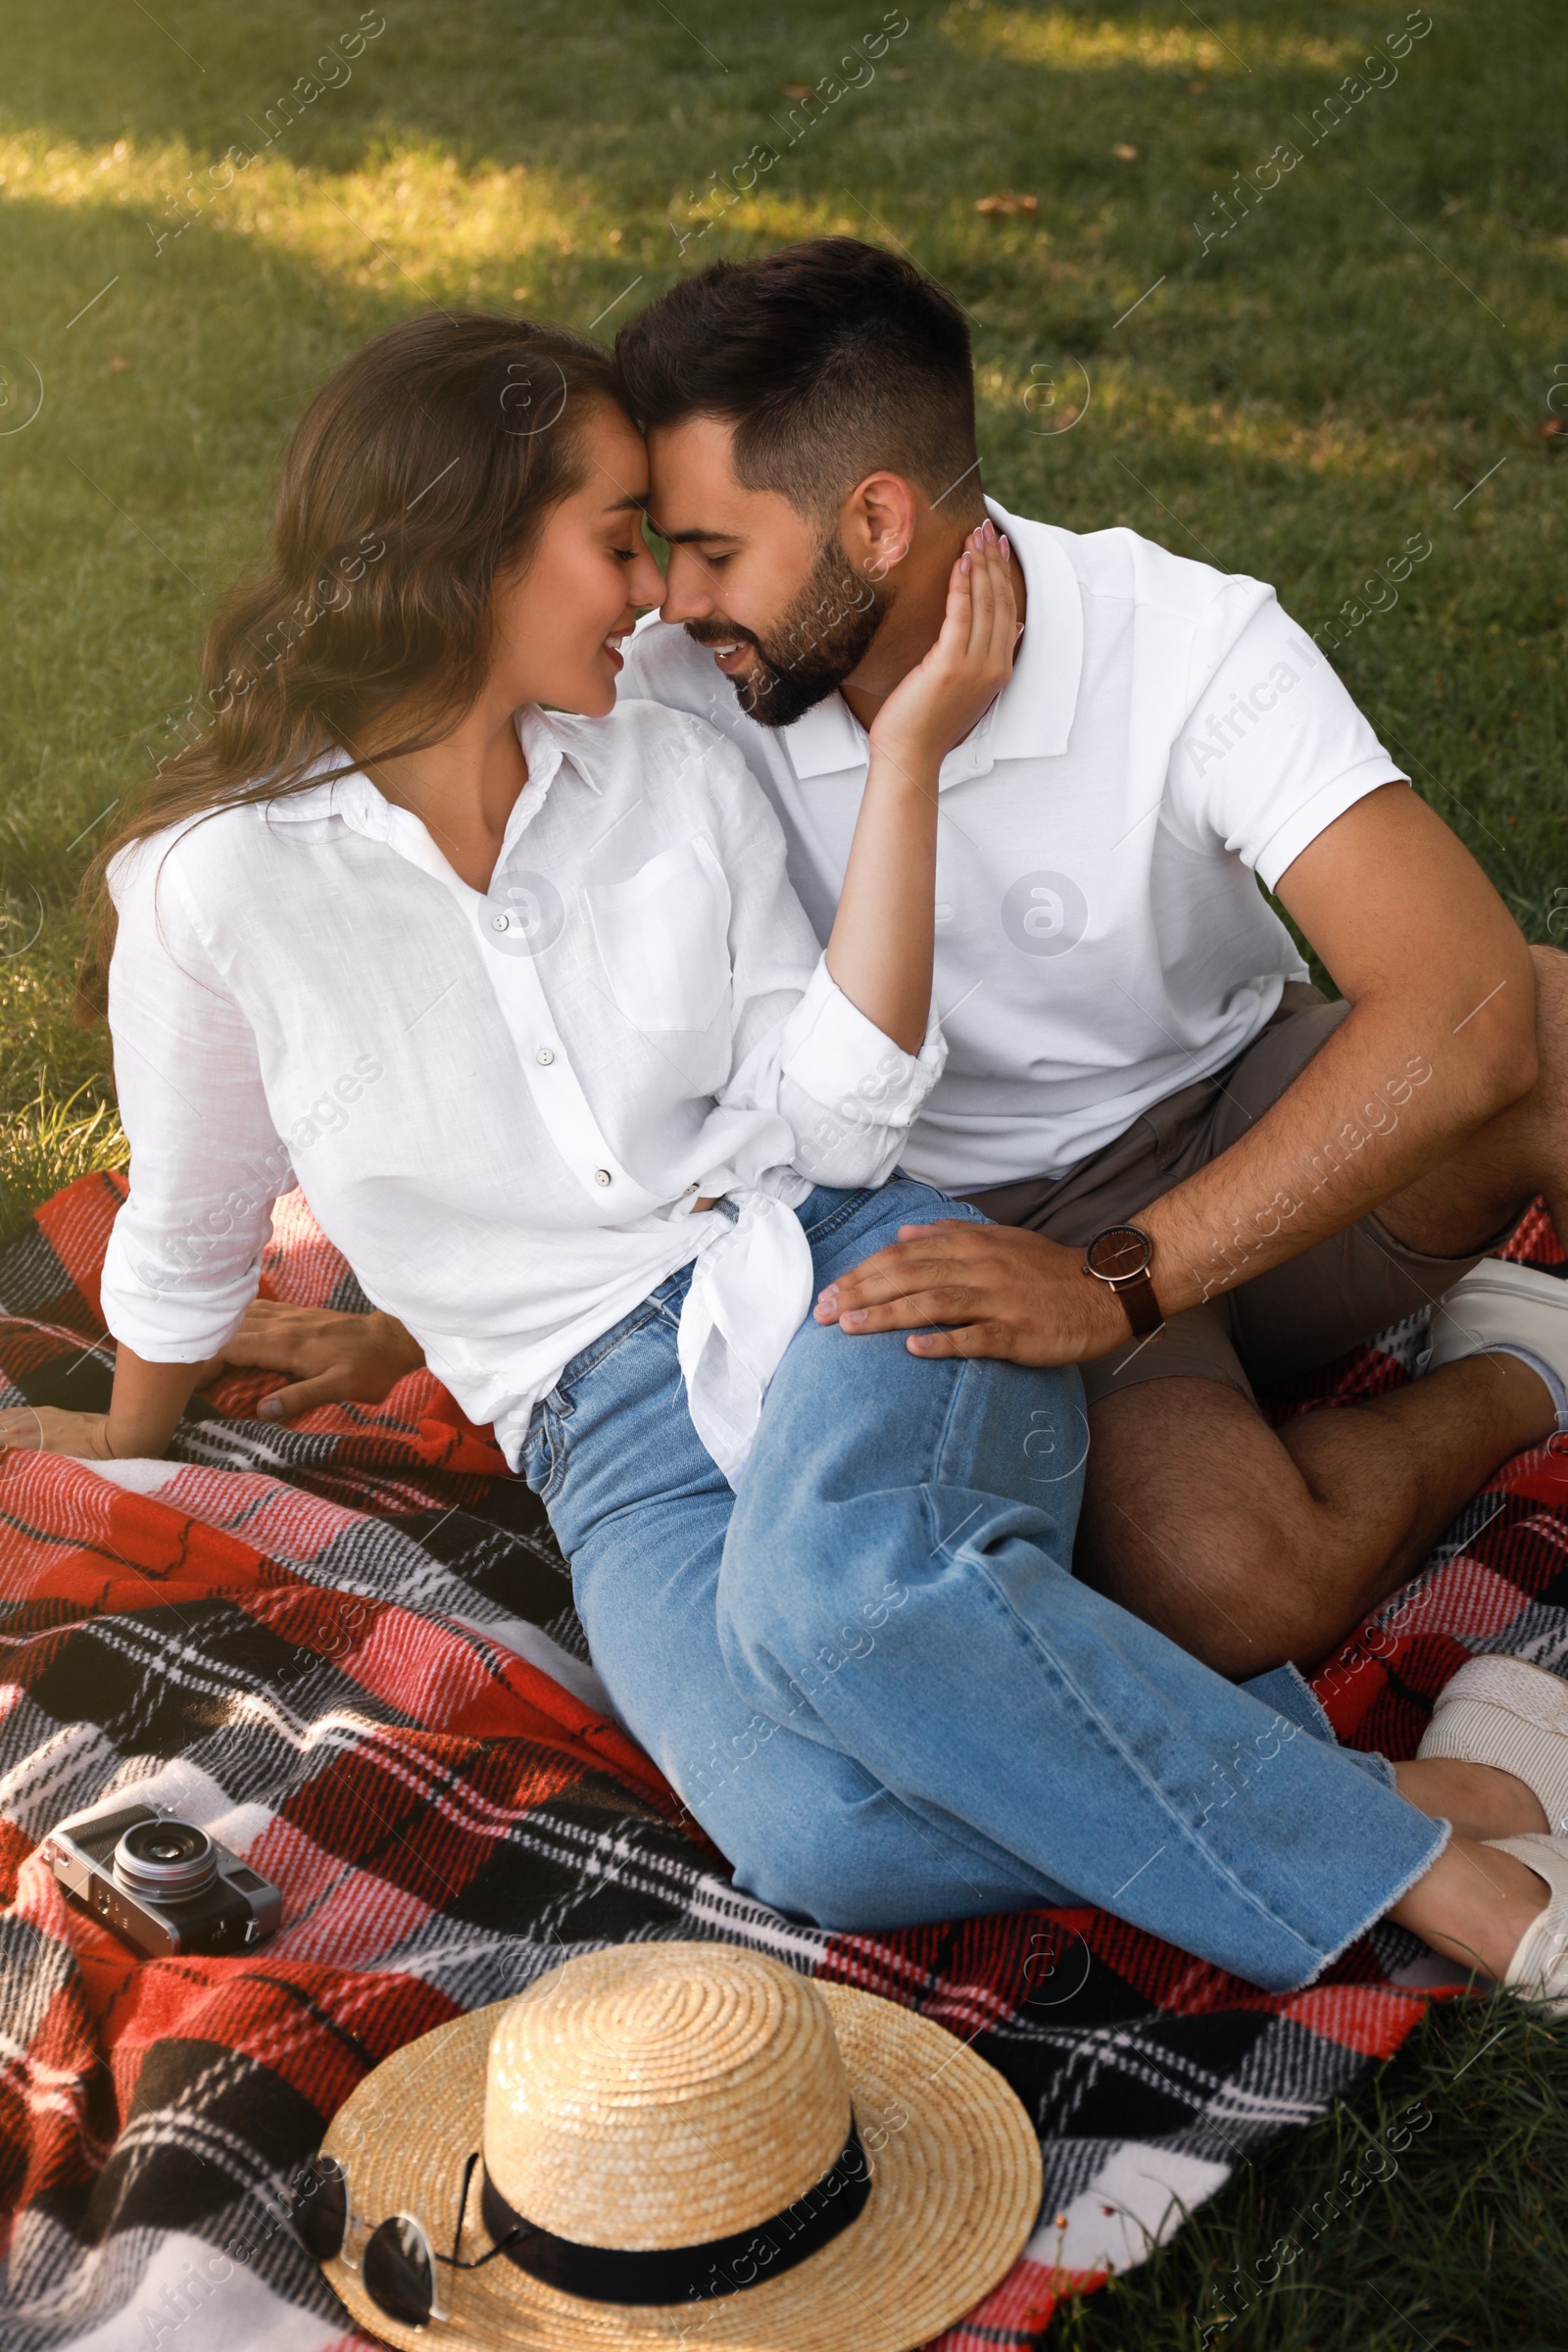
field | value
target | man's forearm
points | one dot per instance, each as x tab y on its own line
1398	1088
1441	1040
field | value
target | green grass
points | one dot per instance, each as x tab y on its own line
1376	2233
1372	338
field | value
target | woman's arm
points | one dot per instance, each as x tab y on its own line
147	1402
883	938
844	1045
206	1163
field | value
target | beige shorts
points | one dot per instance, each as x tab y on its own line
1283	1323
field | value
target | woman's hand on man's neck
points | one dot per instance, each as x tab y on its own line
462	789
916	612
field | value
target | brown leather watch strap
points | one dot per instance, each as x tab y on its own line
1119	1256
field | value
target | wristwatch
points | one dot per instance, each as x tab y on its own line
1120	1257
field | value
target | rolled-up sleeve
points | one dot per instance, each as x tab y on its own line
205	1162
847	1090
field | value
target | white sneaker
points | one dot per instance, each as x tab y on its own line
1512	1715
1517	1309
1539	1970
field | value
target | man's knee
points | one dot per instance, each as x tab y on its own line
1552	1013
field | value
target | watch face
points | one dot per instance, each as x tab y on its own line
1119	1253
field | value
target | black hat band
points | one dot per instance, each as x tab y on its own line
721	2266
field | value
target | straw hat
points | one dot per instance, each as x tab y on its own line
654	2098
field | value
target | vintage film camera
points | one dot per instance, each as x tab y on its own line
162	1884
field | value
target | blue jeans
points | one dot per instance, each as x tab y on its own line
874	1680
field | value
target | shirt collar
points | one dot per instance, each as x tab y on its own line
1032	717
548	739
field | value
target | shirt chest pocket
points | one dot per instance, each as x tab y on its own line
664	938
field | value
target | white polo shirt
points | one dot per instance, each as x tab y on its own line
1168	737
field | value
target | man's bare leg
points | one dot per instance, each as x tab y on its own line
1460	1204
1251	1547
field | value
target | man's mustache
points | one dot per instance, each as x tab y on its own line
710	632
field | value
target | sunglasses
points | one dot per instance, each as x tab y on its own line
398	2266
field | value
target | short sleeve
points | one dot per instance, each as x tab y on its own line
1273	749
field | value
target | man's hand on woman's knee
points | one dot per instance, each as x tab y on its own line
334	1359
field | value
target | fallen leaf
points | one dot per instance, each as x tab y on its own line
797	89
1008	202
1123	153
1197	89
117	362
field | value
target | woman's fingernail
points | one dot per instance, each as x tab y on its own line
965	560
1002	544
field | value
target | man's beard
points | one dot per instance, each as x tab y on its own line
817	643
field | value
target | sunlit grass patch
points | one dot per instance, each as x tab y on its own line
412	208
1072	43
49	1143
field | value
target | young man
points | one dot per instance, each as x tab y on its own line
1129	1031
1205	1173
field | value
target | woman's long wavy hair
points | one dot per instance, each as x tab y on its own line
425	465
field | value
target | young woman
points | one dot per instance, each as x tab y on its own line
512	981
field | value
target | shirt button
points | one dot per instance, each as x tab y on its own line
501	922
601	1175
544	1057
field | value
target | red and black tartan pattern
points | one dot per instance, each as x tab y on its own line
351	1647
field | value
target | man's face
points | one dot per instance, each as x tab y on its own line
768	588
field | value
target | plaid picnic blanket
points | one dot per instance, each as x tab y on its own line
349	1649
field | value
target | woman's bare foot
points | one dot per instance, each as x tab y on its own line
1475	1905
1479	1799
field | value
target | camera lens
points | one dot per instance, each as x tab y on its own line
167	1861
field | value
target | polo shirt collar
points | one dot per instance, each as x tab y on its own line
1035	710
825	739
1032	717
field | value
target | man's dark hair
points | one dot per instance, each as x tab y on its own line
832	359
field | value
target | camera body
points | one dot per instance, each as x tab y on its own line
162	1884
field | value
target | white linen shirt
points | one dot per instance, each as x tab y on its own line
500	1105
1167	737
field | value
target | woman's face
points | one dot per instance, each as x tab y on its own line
556	621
